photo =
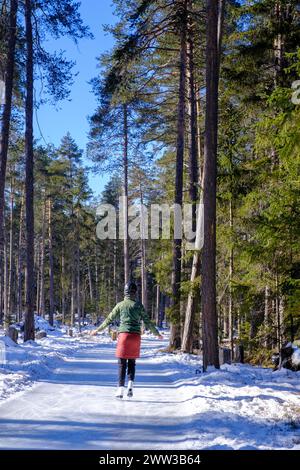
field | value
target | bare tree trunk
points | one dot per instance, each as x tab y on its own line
108	291
143	255
1	299
277	312
221	14
20	262
162	309
42	265
125	193
279	45
11	251
281	315
115	273
51	264
144	275
7	317
96	283
72	296
157	304
209	310
62	283
38	274
230	302
194	155
267	317
6	116
187	339
82	309
29	188
199	140
175	336
78	293
90	283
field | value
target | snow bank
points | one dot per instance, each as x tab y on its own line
296	357
237	407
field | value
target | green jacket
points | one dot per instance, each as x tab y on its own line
131	313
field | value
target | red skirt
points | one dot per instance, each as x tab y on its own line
129	346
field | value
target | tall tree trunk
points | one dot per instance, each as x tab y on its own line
187	338
193	151
72	295
267	317
144	275
38	273
175	336
78	292
96	283
209	310
29	188
115	272
51	264
11	252
279	44
62	283
230	300
157	304
194	155
83	300
199	139
125	193
108	292
162	309
41	306
277	312
20	262
6	116
143	254
7	317
1	298
90	282
281	314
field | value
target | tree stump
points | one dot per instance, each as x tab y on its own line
239	354
12	333
285	357
224	356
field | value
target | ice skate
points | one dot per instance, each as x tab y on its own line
130	388
120	392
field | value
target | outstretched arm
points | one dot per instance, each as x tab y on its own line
114	314
148	323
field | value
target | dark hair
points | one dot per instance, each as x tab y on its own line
130	288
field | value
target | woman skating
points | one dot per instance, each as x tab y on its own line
131	313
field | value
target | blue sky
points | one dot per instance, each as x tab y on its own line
72	115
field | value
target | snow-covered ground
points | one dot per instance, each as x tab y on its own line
58	393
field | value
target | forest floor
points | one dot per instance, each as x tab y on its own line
58	393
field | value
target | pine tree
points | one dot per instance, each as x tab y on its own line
6	116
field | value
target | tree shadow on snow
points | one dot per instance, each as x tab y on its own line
209	430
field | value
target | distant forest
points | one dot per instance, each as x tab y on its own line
198	102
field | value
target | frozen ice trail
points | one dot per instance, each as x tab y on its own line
238	407
75	408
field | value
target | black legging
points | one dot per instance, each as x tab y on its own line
124	364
